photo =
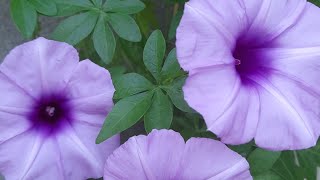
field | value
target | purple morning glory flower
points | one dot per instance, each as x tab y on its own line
254	69
163	155
51	110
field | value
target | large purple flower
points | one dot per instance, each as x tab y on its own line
51	110
254	69
163	155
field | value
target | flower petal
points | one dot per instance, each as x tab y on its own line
47	163
76	144
163	155
230	109
146	157
199	42
238	123
90	91
271	18
292	37
13	164
14	106
282	123
31	66
210	159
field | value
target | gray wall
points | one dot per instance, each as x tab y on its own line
10	36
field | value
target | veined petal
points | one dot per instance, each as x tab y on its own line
43	64
281	124
209	159
271	18
76	144
14	165
91	102
164	155
15	104
200	44
206	96
156	156
238	123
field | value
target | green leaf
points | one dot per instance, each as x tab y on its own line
24	16
81	3
46	7
117	71
154	52
71	7
243	149
160	114
176	95
171	67
123	6
125	114
287	168
301	164
261	160
104	41
68	10
174	24
125	26
75	28
97	3
315	2
130	84
268	176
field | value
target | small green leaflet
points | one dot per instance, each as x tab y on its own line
125	114
97	3
176	95
123	6
75	28
24	16
301	164
125	26
130	84
154	53
81	3
160	114
261	161
171	68
46	7
103	40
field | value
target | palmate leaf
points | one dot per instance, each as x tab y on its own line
125	114
160	114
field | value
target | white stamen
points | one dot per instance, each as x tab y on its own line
237	61
50	110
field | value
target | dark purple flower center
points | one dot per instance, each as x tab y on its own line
250	57
50	113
